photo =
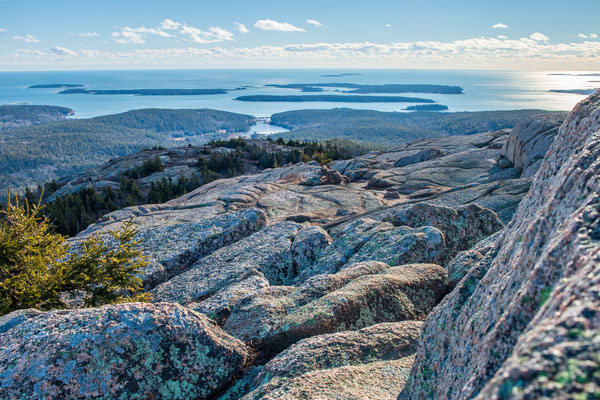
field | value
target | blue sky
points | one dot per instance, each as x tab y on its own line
525	34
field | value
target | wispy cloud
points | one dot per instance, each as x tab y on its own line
85	34
241	27
214	34
2	30
314	23
27	39
539	37
500	25
63	52
388	25
590	36
270	25
503	37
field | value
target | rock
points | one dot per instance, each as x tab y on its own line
419	156
270	256
14	318
357	297
530	139
128	351
332	177
462	226
375	381
505	163
365	348
460	265
525	323
369	240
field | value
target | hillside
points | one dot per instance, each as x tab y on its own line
390	128
17	116
311	282
36	154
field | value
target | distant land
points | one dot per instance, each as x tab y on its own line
386	88
586	92
148	92
334	98
338	75
427	107
591	74
55	86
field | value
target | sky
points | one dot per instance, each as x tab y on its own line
466	34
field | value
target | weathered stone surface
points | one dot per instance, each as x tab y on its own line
365	239
273	256
525	324
14	318
357	297
462	227
129	351
460	265
375	381
530	139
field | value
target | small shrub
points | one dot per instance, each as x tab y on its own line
37	268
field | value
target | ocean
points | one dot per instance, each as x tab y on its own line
483	90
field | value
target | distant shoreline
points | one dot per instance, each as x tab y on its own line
56	86
333	98
148	92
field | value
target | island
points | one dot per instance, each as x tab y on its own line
55	86
339	75
148	92
334	99
585	92
427	107
385	88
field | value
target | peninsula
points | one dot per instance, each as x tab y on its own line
386	88
334	98
148	92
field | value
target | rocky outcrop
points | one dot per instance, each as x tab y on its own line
524	321
122	351
357	297
529	141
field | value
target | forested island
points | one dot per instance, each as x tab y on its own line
427	107
333	98
148	92
55	86
386	88
585	92
339	75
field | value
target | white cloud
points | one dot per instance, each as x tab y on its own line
2	30
63	52
500	25
169	24
593	36
85	34
270	25
388	25
539	37
214	34
502	37
583	36
314	23
480	52
126	37
241	27
27	39
590	36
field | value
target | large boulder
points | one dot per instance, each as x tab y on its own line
524	323
368	240
359	296
272	256
126	351
529	141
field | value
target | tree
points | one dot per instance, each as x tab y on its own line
38	268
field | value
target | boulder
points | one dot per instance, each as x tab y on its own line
357	297
529	141
525	323
125	351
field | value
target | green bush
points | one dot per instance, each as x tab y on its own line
38	270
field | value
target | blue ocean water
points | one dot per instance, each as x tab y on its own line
484	90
